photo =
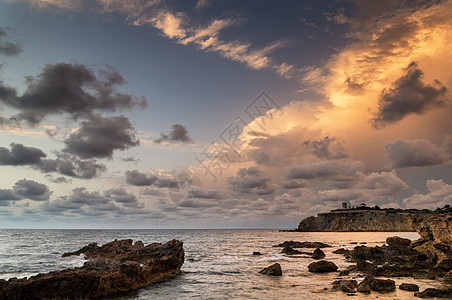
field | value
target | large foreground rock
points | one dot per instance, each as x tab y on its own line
114	268
435	293
322	266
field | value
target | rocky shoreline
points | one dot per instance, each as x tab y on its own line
114	268
429	257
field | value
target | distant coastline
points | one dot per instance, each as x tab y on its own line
363	218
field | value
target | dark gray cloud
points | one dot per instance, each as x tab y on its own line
294	184
120	195
32	190
408	95
20	155
415	153
7	47
337	173
65	164
327	147
73	89
251	181
140	179
60	179
99	137
177	134
153	192
7	195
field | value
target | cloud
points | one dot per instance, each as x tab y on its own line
32	190
7	47
343	170
251	181
98	137
120	195
415	153
202	4
8	195
408	95
73	89
177	134
65	164
439	194
60	179
326	148
137	178
152	192
20	155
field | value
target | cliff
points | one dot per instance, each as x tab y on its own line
362	220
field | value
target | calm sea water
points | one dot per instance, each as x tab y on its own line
218	263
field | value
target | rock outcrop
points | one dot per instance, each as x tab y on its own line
114	268
361	220
436	240
274	270
322	266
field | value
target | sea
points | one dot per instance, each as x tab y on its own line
218	263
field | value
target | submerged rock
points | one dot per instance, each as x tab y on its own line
114	268
322	266
257	253
295	244
274	270
289	250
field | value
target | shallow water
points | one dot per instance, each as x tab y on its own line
218	263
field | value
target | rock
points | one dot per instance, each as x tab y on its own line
448	277
116	267
322	266
344	273
348	286
363	265
342	251
434	293
354	243
318	254
257	253
274	270
294	244
364	286
289	250
411	287
395	241
445	264
382	285
418	242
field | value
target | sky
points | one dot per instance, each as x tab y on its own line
221	114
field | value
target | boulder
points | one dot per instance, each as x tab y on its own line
322	266
257	253
114	268
434	293
411	287
318	254
395	241
382	285
364	286
347	286
274	270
